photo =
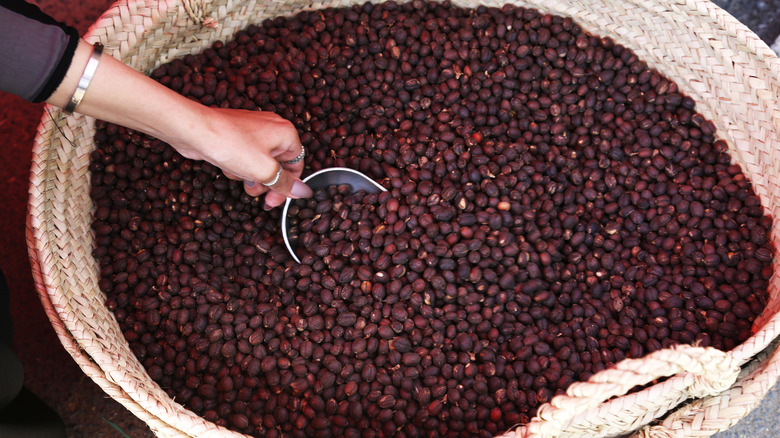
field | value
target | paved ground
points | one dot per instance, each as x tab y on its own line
54	376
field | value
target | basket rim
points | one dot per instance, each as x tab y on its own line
38	245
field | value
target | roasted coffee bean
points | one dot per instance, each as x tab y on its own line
347	319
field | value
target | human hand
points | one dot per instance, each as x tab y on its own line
253	146
246	145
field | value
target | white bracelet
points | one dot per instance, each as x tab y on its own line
86	78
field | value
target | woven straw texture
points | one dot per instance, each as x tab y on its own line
733	76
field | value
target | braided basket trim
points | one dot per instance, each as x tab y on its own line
732	75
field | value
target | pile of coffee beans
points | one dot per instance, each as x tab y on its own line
554	206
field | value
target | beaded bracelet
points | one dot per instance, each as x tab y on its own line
86	78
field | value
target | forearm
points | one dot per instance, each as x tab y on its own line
247	145
45	60
118	94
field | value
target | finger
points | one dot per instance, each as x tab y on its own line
273	200
288	186
231	176
292	159
254	189
294	166
274	174
293	152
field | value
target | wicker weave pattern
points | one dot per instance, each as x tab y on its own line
732	75
706	371
696	419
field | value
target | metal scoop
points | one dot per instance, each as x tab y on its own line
329	177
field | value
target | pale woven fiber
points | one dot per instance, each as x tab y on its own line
731	74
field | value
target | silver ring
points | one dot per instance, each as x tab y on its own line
297	159
276	179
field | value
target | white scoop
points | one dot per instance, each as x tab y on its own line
329	177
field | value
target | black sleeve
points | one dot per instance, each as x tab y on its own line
36	50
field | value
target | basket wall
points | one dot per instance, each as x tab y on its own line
732	75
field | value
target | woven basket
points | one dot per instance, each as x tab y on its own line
731	74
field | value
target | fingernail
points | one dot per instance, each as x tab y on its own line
301	190
266	207
249	183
